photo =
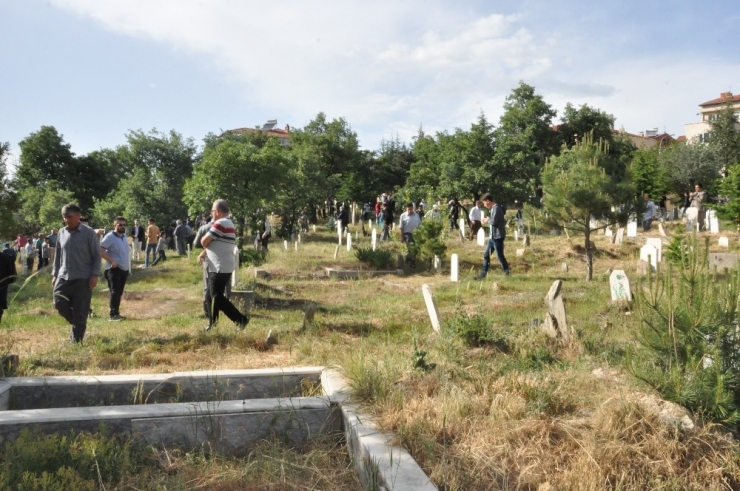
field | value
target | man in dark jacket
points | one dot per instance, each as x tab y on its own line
498	234
7	276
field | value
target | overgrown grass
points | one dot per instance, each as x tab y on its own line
504	406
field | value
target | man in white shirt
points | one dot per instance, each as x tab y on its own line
408	223
649	215
475	216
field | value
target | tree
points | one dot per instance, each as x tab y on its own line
688	164
8	197
585	182
41	207
647	173
45	157
390	168
579	122
724	137
525	140
424	173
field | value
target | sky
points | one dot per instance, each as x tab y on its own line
96	69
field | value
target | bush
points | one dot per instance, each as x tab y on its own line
251	257
428	242
378	258
689	344
477	330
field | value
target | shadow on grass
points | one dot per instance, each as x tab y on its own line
351	328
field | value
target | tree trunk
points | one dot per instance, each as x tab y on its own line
589	256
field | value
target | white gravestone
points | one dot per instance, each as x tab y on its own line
661	230
525	240
339	232
453	267
285	245
296	246
632	228
374	239
437	264
692	218
620	236
620	286
712	221
336	252
516	236
724	242
649	254
481	237
349	242
236	268
658	244
556	308
608	232
462	227
431	307
314	228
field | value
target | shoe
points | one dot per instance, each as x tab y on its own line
115	318
241	325
479	277
207	328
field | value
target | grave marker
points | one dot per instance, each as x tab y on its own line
620	236
296	246
520	252
658	244
462	227
692	217
516	236
453	267
723	260
608	232
285	245
481	237
564	267
556	309
437	264
632	227
649	254
712	221
525	240
236	269
349	242
431	307
374	239
724	242
620	286
661	230
336	252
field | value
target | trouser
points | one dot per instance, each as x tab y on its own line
410	259
161	256
496	245
475	225
72	301
29	265
647	224
181	250
217	283
150	247
701	219
453	223
137	249
116	282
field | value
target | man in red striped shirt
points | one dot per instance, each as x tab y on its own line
218	246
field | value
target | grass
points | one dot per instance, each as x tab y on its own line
505	407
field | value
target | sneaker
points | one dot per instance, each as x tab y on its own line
115	318
241	325
208	328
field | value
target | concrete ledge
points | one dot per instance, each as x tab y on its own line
107	390
347	274
378	463
4	395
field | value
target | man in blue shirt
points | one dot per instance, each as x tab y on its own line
498	233
75	271
114	249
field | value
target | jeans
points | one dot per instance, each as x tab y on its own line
498	246
647	223
161	257
218	302
72	301
150	247
116	282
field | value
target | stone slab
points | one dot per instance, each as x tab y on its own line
4	395
619	285
431	307
353	274
58	392
724	242
723	260
556	307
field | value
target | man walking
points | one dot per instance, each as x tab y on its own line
114	249
475	216
75	271
218	245
498	234
408	223
698	198
137	236
181	237
152	237
649	215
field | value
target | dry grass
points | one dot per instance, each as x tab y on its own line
526	414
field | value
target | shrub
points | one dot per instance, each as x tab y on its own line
428	242
478	330
378	258
250	257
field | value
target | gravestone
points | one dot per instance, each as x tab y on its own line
285	245
658	244
609	232
336	252
712	222
661	230
692	218
520	252
620	236
308	315
236	269
632	228
564	267
462	227
188	248
296	246
556	309
642	267
481	237
339	232
620	286
453	267
516	236
722	260
349	242
314	228
437	264
649	254
724	242
612	239
374	239
431	307
525	240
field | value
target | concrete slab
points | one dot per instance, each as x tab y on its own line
4	395
108	390
347	274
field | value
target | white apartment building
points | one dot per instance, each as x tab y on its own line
699	131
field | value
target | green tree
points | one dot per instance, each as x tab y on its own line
583	183
45	157
41	207
8	197
687	164
424	173
525	140
576	123
724	136
647	173
390	168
